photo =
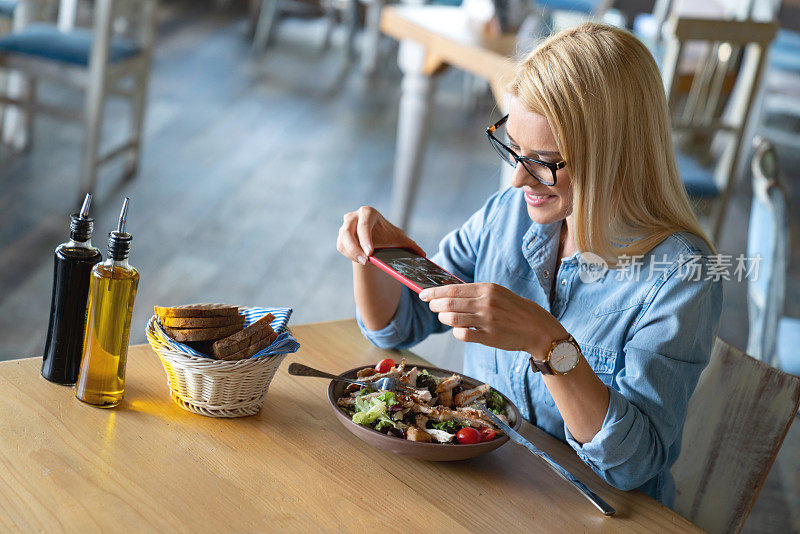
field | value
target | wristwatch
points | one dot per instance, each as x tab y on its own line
561	358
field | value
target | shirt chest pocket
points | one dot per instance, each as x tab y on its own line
602	361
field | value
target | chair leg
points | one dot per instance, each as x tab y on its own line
137	122
30	101
265	26
330	23
351	24
14	133
93	124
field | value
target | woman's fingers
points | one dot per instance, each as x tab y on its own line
365	229
367	217
470	335
346	242
452	290
459	320
450	304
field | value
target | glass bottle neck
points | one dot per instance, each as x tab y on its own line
118	264
80	244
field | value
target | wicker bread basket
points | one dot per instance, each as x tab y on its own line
217	388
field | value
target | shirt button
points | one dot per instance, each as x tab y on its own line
564	282
518	369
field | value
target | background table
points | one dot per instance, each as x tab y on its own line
149	465
432	38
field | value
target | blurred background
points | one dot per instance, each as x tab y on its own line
244	131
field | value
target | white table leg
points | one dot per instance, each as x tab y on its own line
372	36
412	122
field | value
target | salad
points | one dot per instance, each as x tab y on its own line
444	411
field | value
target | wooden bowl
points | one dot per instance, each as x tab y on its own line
434	452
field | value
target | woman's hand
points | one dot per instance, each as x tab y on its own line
365	229
495	316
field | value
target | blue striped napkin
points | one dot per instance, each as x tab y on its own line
284	343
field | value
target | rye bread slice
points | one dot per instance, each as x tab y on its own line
201	334
197	310
244	338
247	352
202	322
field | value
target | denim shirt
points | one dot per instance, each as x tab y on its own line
647	338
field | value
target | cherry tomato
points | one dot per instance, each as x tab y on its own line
487	434
468	436
384	366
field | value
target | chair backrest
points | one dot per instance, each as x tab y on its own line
735	424
767	239
728	60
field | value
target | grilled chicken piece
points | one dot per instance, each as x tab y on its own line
467	396
462	415
410	377
420	420
446	398
365	373
415	434
448	384
424	396
346	401
472	412
395	372
440	435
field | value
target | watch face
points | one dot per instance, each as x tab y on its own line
563	357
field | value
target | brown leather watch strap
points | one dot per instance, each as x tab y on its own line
544	367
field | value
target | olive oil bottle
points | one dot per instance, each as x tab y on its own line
112	290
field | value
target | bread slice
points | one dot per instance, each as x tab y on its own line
197	310
202	322
244	338
201	334
247	352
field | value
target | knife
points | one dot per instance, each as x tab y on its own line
595	499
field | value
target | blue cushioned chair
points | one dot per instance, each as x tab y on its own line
7	8
100	60
773	338
74	47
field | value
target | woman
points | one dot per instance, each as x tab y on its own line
604	361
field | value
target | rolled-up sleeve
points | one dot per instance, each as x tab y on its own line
669	347
458	253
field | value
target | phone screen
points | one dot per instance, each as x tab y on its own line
421	271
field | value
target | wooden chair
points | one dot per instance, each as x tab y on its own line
736	421
714	102
111	59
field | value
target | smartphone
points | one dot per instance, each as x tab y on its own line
410	269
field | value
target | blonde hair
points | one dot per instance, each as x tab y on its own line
601	91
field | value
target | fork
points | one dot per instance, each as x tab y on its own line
382	384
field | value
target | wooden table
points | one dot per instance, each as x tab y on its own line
148	465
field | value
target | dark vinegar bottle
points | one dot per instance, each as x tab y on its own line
72	272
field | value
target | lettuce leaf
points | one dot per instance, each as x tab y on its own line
373	410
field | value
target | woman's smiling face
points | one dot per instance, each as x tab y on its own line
529	135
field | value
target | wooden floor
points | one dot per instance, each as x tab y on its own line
248	168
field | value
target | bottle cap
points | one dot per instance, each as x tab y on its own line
81	225
119	241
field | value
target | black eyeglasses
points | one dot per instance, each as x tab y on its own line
543	171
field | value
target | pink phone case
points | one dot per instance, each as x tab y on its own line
399	277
